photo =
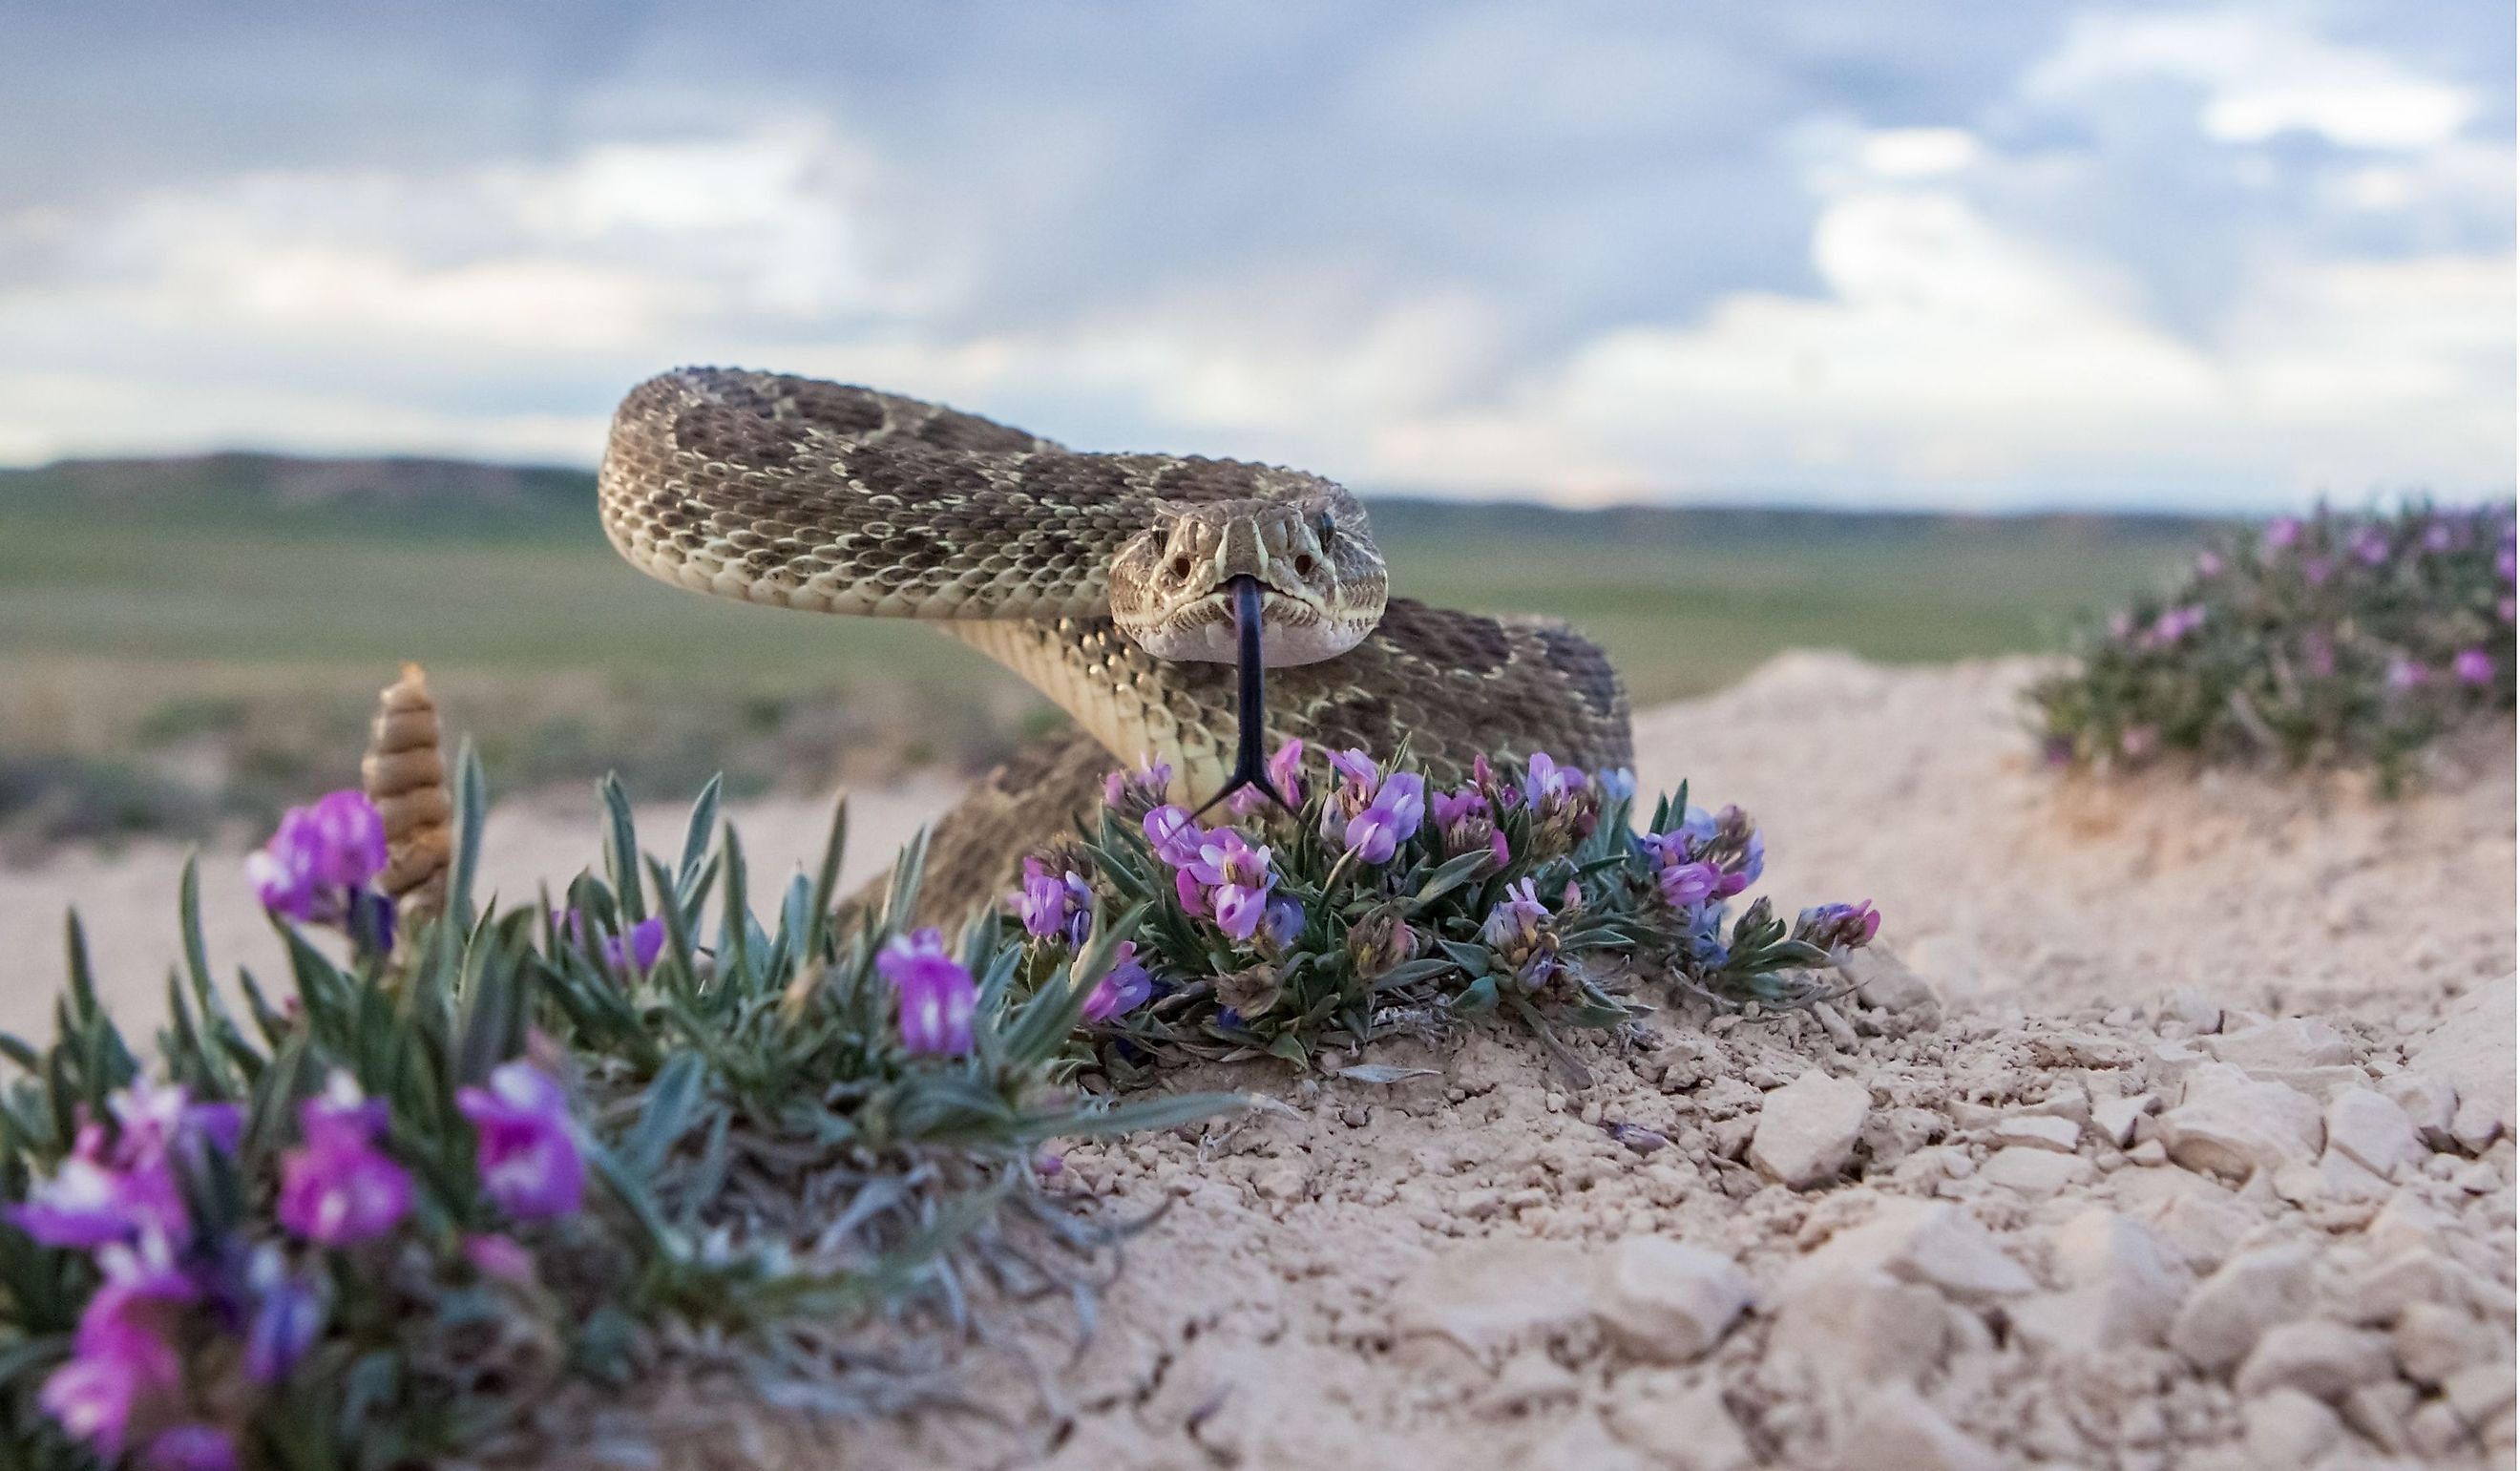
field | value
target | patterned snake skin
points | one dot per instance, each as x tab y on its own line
806	494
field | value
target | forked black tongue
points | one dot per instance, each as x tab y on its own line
1250	760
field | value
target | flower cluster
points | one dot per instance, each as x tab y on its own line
2330	637
170	1282
1386	897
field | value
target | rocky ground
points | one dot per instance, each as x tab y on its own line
2173	1128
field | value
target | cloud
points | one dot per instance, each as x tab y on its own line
2262	77
1937	255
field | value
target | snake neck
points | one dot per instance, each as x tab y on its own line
1089	669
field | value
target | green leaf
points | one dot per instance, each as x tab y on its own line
471	814
672	1096
695	836
621	851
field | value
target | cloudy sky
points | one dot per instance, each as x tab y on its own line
1925	253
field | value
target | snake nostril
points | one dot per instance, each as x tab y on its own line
1304	564
1180	567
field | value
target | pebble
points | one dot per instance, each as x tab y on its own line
2122	1285
1667	1300
2430	1102
2039	1131
2286	1428
2434	1343
2034	1171
2231	1124
2387	1288
2317	1357
2379	1412
1897	1431
2223	1320
2296	1041
1807	1130
2113	1119
1932	1244
1494	1294
2366	1127
1690	1431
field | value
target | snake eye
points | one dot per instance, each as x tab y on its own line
1181	567
1326	527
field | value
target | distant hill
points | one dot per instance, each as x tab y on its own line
411	493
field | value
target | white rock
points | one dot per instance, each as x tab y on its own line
2227	1314
2433	1342
2037	1132
1897	1431
1583	1441
1496	1294
1931	1243
2379	1412
2151	1153
2382	1291
2430	1102
2471	1048
2479	1391
2202	1220
1690	1431
2403	1223
2317	1357
2374	1133
2034	1171
1808	1128
2285	1428
2113	1119
2230	1125
1858	1327
2122	1283
1666	1300
2191	1008
2296	1041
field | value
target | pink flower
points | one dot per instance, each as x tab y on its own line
2138	741
339	1189
1287	772
1175	834
2281	532
2406	674
1053	905
1834	926
318	857
1123	988
2370	546
191	1447
526	1152
937	994
499	1259
1399	809
2209	564
1357	768
1545	781
1238	877
2473	666
1687	885
121	1364
96	1196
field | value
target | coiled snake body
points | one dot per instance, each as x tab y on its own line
1099	579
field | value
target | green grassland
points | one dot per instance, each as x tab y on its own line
265	600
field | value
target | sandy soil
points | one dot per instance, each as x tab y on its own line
2182	1137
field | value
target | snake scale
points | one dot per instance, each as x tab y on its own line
1101	579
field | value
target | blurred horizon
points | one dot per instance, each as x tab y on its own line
2104	257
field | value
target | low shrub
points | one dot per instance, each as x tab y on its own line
2335	638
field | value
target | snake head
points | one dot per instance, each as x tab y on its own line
1320	577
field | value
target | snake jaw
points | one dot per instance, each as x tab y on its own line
1309	555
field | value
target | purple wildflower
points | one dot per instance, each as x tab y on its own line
1357	768
1399	809
2370	546
2137	742
1287	772
1123	988
1281	921
1176	836
339	1189
2174	624
2440	536
2316	570
526	1152
83	1205
2209	564
288	1317
638	950
499	1259
1053	905
2406	674
1618	782
1517	921
1689	884
2473	666
2281	532
2318	652
96	1196
1834	926
2504	559
1239	879
1544	782
937	994
95	1394
319	857
193	1446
